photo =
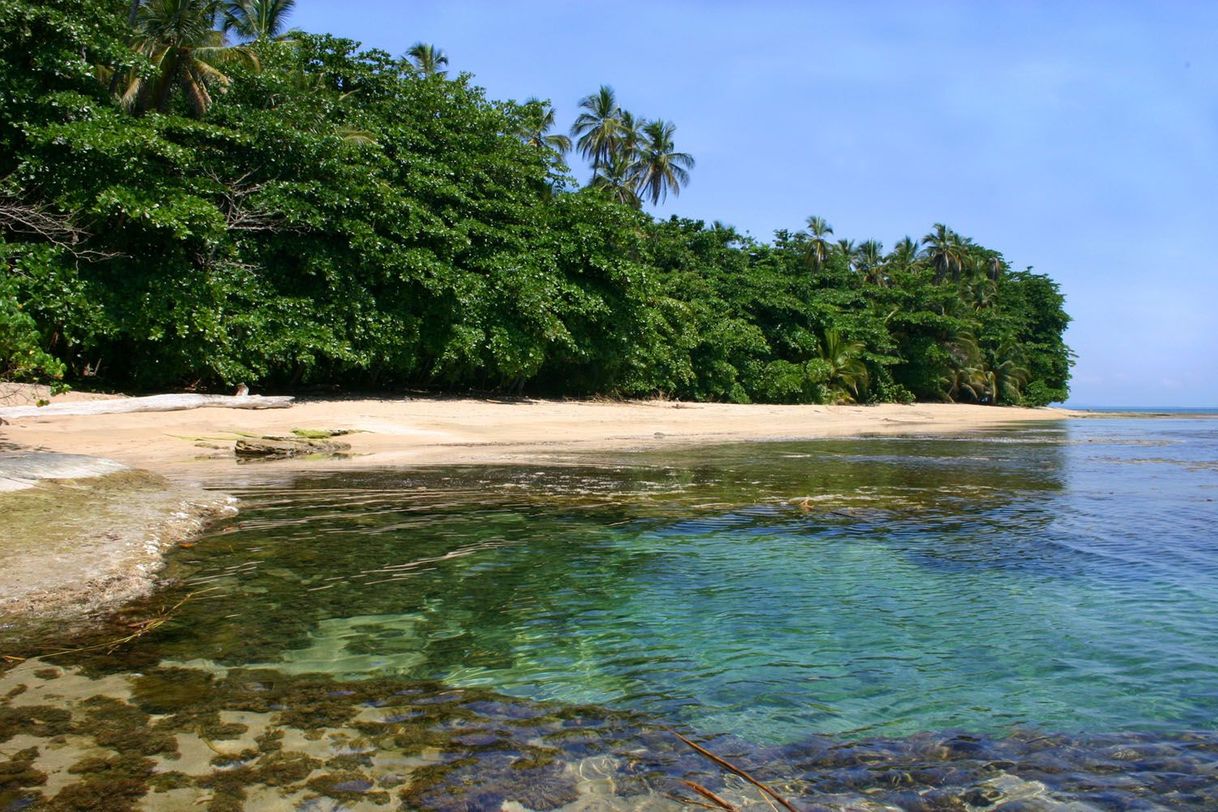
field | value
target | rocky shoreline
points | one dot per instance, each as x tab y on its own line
82	535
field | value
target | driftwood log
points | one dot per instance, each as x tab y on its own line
153	403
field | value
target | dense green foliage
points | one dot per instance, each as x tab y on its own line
294	211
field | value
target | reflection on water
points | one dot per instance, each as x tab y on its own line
824	609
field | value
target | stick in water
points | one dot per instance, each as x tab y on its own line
710	796
727	765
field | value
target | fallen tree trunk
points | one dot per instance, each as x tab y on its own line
153	403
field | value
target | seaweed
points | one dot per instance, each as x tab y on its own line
348	785
170	690
473	784
282	769
109	785
321	434
349	761
228	788
412	739
270	742
430	777
163	782
533	757
35	720
122	727
313	704
18	772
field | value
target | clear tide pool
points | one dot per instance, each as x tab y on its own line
779	599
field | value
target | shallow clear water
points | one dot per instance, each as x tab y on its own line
1064	577
1057	578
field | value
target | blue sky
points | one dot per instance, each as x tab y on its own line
1079	138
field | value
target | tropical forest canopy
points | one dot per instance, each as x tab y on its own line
193	196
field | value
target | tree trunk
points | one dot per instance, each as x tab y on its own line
154	403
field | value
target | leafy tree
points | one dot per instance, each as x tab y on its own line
49	59
1034	309
22	356
336	216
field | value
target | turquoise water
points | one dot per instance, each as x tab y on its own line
1027	616
1064	577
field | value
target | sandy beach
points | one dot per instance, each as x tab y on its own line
439	430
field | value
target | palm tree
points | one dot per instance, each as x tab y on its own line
981	293
945	251
905	253
962	384
868	258
354	135
179	38
963	379
996	267
818	246
847	374
598	129
659	167
1005	375
536	126
428	58
987	263
619	177
846	249
259	20
630	135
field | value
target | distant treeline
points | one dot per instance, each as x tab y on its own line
177	211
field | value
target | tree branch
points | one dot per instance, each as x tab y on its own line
22	217
239	215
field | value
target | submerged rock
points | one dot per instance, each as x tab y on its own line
87	534
22	470
275	448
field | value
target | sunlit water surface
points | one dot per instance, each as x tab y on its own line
789	599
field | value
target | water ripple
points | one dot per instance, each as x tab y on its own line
1063	578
